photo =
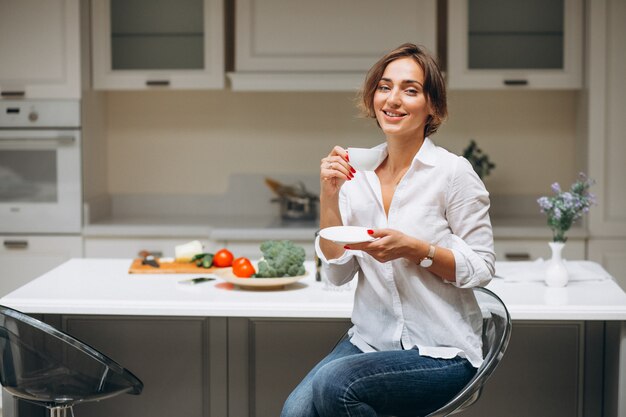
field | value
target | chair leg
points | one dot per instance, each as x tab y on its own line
66	411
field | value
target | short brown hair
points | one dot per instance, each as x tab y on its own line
434	84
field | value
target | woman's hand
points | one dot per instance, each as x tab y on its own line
335	170
390	244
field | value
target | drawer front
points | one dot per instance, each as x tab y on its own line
528	250
24	258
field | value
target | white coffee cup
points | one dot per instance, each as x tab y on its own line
365	159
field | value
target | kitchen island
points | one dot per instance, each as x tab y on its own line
217	350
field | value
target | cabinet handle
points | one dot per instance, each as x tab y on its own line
158	83
517	256
16	244
22	139
515	82
13	93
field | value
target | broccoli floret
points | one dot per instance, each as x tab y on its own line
280	258
265	270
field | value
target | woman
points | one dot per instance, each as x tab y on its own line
416	335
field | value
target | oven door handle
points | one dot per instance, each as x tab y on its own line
21	140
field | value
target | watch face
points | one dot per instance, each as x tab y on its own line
426	262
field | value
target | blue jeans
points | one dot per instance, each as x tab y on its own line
349	382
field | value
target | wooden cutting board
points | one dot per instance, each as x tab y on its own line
168	268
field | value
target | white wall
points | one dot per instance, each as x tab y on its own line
530	135
191	142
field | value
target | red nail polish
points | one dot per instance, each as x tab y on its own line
347	157
353	170
370	231
346	247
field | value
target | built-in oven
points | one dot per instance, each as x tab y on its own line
40	166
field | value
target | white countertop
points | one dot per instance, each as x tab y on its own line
103	287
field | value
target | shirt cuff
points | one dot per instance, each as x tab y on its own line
471	269
339	270
345	257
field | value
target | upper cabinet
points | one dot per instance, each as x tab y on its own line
39	49
141	44
515	44
605	127
322	45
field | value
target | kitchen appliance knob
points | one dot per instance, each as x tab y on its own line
33	116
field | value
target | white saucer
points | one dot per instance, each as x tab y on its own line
256	283
344	235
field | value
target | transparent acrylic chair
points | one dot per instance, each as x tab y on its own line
45	366
496	335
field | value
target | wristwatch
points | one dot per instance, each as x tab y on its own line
428	260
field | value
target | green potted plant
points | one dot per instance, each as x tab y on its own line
479	160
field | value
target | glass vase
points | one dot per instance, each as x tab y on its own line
556	272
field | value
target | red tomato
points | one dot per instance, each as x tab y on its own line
242	267
222	258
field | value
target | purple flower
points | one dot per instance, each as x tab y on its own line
568	197
564	208
592	199
544	204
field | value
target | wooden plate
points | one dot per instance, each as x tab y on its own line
256	283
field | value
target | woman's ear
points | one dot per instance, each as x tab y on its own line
431	111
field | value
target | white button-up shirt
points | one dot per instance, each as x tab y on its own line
398	304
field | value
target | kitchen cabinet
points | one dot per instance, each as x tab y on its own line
40	49
604	128
531	249
262	373
324	45
235	367
545	362
181	361
494	44
105	247
267	358
24	258
143	44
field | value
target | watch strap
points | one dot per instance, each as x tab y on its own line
431	252
428	260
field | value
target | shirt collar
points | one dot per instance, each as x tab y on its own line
427	153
